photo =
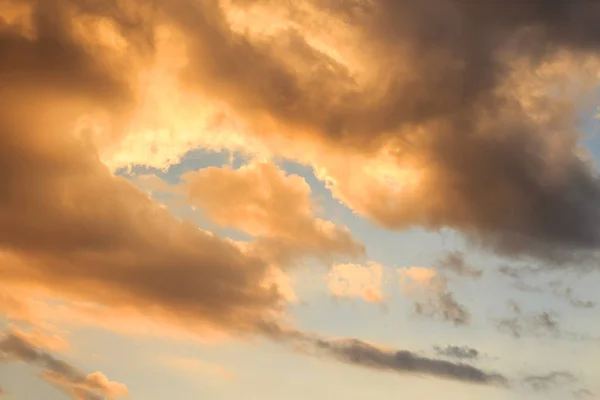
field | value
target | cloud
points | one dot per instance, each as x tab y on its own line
353	280
567	293
445	306
70	227
494	153
272	206
359	353
455	262
486	147
80	386
535	324
415	278
40	339
549	381
440	302
458	352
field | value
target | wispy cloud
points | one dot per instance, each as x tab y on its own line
456	263
73	381
363	354
440	302
458	352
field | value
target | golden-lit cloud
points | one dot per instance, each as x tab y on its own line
452	127
263	201
353	280
15	347
415	278
73	228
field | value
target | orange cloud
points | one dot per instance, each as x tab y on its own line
71	227
261	200
15	347
353	280
415	278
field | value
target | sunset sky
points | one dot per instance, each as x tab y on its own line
299	199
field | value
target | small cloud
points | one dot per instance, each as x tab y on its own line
415	278
444	305
455	262
353	280
541	383
568	294
458	352
537	324
440	303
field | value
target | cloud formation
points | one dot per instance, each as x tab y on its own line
353	280
64	376
263	201
494	155
359	353
549	381
536	324
440	302
478	140
72	227
458	352
455	262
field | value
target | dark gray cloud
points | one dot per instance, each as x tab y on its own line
455	262
60	373
362	354
458	352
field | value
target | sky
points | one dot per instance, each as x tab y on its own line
325	199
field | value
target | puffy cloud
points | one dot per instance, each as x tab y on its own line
263	201
492	154
14	347
353	280
70	226
415	278
461	118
